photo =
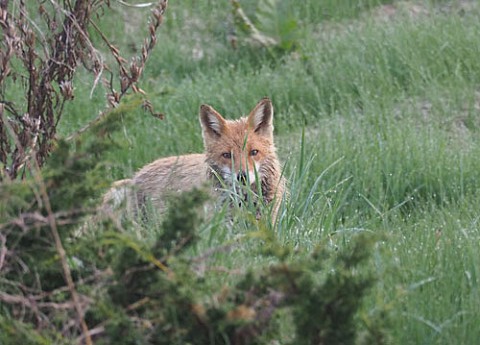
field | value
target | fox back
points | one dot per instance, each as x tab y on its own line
237	153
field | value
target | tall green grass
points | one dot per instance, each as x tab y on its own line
377	122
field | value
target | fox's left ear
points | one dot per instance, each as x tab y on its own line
261	117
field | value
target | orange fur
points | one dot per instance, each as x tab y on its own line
235	150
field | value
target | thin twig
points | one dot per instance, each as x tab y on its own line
91	332
3	250
62	253
31	220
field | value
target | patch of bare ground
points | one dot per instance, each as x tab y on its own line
419	9
390	13
461	122
193	30
399	9
467	119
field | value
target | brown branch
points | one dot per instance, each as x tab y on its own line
36	295
3	250
62	254
31	303
91	332
10	40
11	172
15	299
31	220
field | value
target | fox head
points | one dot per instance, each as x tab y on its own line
242	149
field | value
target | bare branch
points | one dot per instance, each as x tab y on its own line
3	250
62	255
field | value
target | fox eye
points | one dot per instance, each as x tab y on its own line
227	155
253	152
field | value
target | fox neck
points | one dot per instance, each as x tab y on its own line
271	174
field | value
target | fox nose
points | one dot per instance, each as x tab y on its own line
242	177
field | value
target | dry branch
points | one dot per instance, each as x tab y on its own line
50	53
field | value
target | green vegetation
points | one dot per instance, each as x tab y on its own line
377	119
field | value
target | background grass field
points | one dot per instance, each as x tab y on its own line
377	117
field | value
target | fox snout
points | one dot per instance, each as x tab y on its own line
245	168
245	178
242	177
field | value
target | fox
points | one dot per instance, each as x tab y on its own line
236	153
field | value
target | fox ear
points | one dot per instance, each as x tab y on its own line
212	122
261	117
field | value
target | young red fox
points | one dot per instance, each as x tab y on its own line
237	152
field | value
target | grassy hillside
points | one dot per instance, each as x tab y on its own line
377	118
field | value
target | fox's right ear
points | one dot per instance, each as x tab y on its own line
212	122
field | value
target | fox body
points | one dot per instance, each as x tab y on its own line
237	153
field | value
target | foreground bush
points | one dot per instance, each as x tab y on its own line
63	281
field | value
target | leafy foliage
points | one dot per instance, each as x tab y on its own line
174	309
